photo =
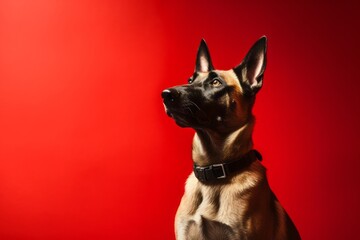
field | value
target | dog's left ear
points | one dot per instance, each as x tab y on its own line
250	72
203	60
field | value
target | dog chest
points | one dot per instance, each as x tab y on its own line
209	211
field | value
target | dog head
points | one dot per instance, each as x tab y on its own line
218	100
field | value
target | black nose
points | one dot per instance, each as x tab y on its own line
169	95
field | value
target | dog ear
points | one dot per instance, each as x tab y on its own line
203	60
250	71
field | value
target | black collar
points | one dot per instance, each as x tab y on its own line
214	172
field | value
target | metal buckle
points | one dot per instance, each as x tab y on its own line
207	173
223	170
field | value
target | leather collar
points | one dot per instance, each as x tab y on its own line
214	172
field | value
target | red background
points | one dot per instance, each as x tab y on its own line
86	151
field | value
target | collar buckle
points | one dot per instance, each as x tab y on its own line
210	173
223	174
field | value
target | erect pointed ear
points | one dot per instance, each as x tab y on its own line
203	60
250	72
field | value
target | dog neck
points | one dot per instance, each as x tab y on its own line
210	147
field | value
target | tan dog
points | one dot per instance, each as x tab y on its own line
227	196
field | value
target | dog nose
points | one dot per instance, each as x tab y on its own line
169	95
166	94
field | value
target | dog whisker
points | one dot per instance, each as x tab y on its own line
199	109
190	110
195	105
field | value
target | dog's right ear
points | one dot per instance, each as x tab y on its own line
203	60
251	70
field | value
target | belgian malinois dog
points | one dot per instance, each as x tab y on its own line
227	196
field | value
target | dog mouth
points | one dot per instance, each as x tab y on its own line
182	117
186	115
168	112
181	121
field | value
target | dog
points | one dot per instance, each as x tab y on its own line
227	196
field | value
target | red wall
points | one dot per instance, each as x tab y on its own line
86	151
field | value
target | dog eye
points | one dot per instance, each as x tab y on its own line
215	82
190	81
